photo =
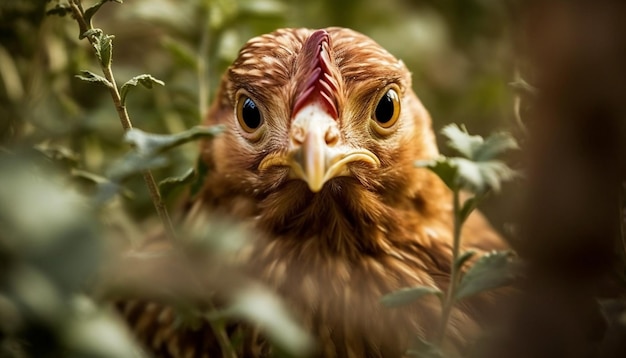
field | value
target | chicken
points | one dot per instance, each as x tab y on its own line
322	133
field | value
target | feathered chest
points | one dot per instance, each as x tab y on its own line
332	255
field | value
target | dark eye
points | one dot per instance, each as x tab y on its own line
388	109
248	114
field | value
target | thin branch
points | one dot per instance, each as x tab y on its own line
153	188
226	346
202	60
450	292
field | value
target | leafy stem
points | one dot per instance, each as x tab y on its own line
219	329
101	45
475	171
202	61
449	299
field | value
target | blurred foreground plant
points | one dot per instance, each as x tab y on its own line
476	172
50	250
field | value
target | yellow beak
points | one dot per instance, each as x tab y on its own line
317	152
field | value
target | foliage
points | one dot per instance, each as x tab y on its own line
477	172
51	248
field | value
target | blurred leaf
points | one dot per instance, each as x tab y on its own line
60	154
152	144
215	236
168	185
493	270
468	207
89	177
35	294
523	87
93	332
49	224
480	177
424	349
10	317
146	155
10	75
183	54
262	7
266	310
474	147
202	169
466	256
92	77
60	10
134	163
409	295
145	80
221	12
477	171
443	168
495	145
463	142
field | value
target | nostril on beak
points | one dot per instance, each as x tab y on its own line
298	134
332	136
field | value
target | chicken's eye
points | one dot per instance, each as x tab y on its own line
387	110
248	114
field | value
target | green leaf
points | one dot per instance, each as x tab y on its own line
182	53
202	169
150	144
493	270
88	177
168	185
461	141
444	169
59	154
263	308
92	11
133	163
464	174
468	207
105	49
92	331
145	80
480	177
102	43
92	77
407	295
262	8
91	32
474	147
461	260
495	145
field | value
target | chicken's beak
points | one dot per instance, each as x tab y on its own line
317	152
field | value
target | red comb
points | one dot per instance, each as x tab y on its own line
319	84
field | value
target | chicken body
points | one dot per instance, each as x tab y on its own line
322	132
